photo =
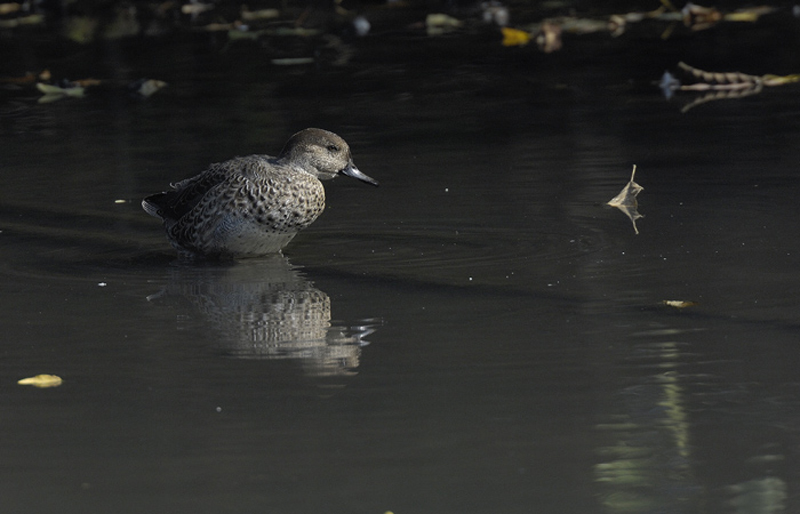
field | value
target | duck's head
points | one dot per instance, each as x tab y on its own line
323	154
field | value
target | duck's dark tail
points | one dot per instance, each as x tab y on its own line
152	205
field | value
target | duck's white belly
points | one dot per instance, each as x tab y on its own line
244	238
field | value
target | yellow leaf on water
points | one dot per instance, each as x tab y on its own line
41	381
515	37
626	200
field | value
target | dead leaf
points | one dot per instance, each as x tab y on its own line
549	37
10	8
31	19
515	37
626	200
259	14
195	8
147	87
438	24
679	304
29	78
42	381
87	82
53	93
751	14
697	17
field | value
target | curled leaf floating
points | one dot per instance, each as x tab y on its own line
42	381
626	200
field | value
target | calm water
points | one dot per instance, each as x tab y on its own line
479	334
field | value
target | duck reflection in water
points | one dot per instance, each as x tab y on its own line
265	309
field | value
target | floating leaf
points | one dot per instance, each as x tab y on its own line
86	82
549	37
53	93
515	37
669	84
146	87
41	381
626	200
679	304
260	14
495	12
28	78
751	14
697	17
10	8
194	8
80	29
438	24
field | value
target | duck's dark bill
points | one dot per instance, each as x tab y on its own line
352	171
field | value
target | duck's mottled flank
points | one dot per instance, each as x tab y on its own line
253	205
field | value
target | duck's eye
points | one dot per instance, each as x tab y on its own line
333	148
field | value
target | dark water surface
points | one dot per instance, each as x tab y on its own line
479	334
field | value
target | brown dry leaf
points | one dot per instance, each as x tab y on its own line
679	304
626	200
42	381
549	37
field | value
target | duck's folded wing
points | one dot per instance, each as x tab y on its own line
174	204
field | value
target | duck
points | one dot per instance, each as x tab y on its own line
254	205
